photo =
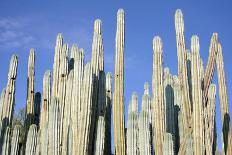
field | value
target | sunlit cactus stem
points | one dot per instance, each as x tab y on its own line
198	127
118	106
31	140
15	140
30	108
159	123
9	97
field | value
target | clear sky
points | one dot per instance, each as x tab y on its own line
26	24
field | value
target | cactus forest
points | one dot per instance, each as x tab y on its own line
79	101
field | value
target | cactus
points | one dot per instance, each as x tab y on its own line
75	117
15	140
223	96
118	106
30	108
210	120
5	142
85	118
182	68
67	113
144	122
46	101
76	99
132	126
108	108
158	96
100	137
54	128
168	146
31	140
9	97
198	128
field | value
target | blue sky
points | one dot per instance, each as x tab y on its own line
27	24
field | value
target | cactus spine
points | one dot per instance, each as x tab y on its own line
118	106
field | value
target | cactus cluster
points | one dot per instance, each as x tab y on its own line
77	102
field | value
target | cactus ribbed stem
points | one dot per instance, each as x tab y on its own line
54	128
158	95
46	101
9	97
209	71
144	122
76	99
15	140
223	96
31	140
5	143
210	120
198	127
108	113
100	137
182	68
132	126
85	118
168	146
67	113
30	109
118	106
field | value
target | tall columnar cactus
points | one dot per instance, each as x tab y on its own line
76	97
182	68
209	71
15	140
63	76
30	108
100	137
108	113
132	126
67	113
158	95
168	146
223	96
37	103
54	128
85	118
46	101
102	93
31	140
97	66
9	97
56	65
198	127
169	101
44	140
118	104
146	102
144	135
5	142
210	120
